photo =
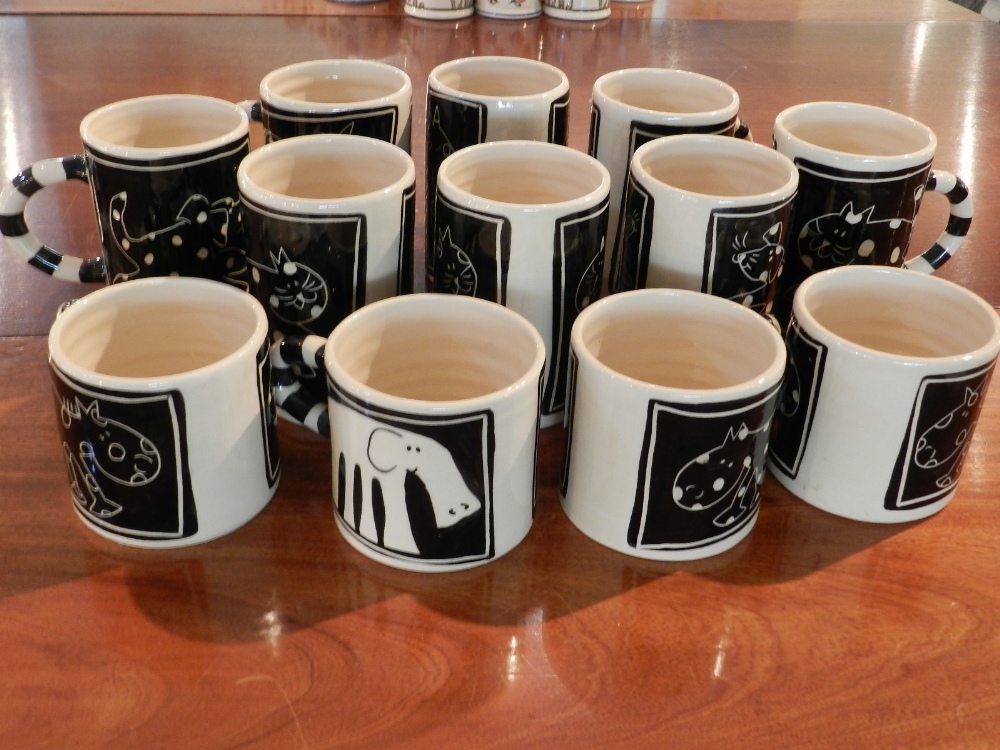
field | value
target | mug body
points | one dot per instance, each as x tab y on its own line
522	223
887	372
672	393
164	403
433	414
706	213
439	10
162	171
481	99
633	106
577	10
349	97
862	176
509	8
329	227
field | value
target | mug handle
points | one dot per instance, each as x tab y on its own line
13	226
957	193
742	130
295	404
252	108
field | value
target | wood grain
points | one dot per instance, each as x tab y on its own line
816	632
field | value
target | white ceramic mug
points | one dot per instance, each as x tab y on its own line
348	97
509	8
522	223
887	372
491	98
164	402
433	421
863	172
706	213
672	393
633	106
577	10
439	10
162	171
328	221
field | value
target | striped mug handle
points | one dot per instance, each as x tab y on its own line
957	193
13	226
295	403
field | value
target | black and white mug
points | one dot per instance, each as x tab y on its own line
164	401
863	173
706	213
672	394
346	97
887	372
482	99
432	412
522	223
633	106
162	171
328	222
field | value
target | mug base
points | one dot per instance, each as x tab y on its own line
414	565
672	555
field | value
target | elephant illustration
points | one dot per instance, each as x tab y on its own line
404	492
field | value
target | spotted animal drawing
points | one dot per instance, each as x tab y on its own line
937	439
416	489
298	294
700	472
126	458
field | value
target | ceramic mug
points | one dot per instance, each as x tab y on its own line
707	213
509	8
672	393
887	372
522	223
863	172
577	10
162	171
432	414
439	10
633	106
481	99
167	422
328	221
349	97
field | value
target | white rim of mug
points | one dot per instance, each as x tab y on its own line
330	145
457	308
531	151
721	146
643	299
159	103
491	63
661	76
890	275
329	69
144	291
849	112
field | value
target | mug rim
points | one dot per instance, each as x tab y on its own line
805	318
719	143
272	98
771	375
386	309
718	115
146	153
434	82
863	162
332	144
149	289
501	151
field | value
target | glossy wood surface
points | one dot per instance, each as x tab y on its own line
815	632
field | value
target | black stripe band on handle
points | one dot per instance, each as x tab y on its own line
46	259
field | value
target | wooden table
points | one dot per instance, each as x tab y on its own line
815	632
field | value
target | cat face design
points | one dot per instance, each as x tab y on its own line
454	271
758	258
298	293
117	451
834	239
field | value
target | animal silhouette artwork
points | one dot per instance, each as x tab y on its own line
843	217
298	295
700	472
194	242
800	390
127	475
416	490
744	254
937	439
